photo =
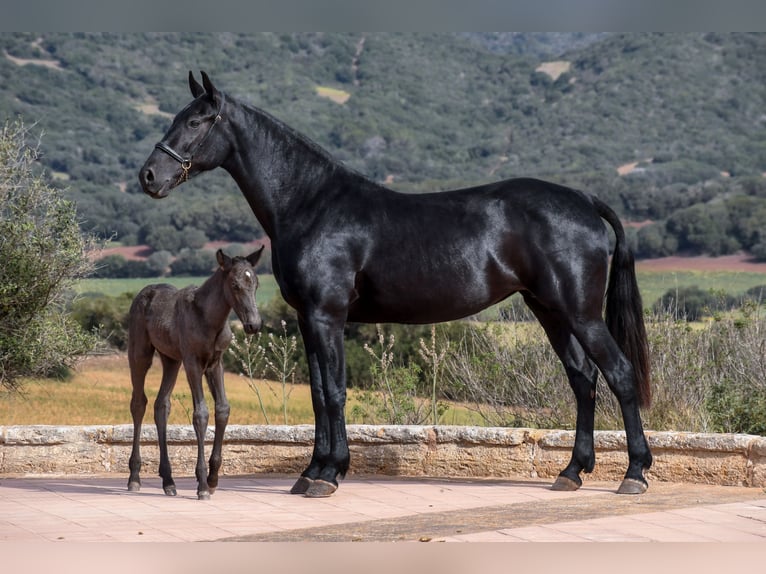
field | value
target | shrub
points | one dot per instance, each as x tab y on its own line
42	253
107	316
693	303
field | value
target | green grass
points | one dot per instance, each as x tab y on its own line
113	287
654	284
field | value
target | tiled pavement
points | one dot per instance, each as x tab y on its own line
259	508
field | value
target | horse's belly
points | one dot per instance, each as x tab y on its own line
434	306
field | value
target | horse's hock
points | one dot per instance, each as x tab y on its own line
443	451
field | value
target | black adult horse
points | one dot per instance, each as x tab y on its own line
345	248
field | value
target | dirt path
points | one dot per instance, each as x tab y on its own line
737	262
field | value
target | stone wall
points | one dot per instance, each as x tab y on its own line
443	451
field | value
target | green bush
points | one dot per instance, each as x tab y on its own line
107	316
42	254
693	303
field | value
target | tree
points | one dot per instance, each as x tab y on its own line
193	262
42	253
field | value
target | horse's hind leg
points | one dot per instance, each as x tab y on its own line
601	347
214	377
170	368
140	355
200	419
582	375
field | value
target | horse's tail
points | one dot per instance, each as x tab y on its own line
624	309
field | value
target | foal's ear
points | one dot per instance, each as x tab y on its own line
223	260
194	86
255	256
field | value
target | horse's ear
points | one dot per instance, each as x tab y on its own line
194	86
255	256
211	90
223	260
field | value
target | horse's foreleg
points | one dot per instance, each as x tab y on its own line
170	370
215	382
200	418
323	337
139	360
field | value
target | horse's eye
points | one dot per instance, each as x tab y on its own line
194	123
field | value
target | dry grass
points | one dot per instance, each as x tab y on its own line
99	393
334	94
554	69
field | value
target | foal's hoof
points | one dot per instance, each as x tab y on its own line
170	490
203	495
632	486
301	486
321	489
134	486
565	484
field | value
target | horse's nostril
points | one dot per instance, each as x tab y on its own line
148	175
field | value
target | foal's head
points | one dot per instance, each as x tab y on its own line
194	143
239	285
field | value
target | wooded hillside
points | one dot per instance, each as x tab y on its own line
666	127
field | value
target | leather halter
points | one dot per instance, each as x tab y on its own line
186	162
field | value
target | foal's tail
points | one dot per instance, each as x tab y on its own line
624	309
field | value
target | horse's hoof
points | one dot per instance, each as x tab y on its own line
632	486
134	486
211	490
321	489
203	495
565	484
301	486
170	490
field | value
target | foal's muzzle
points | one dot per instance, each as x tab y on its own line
251	328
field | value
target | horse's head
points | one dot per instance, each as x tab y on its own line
240	283
193	144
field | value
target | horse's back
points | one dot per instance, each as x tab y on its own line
445	255
151	319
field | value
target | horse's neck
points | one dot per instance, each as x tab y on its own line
210	300
276	169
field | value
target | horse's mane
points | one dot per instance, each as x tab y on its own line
314	148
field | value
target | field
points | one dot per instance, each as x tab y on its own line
267	289
99	393
653	282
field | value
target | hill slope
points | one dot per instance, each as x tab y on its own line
422	111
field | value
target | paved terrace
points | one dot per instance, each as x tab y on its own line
258	508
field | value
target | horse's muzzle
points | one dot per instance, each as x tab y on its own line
251	328
151	185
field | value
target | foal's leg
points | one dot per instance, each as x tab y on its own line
170	369
214	377
200	418
582	375
140	353
323	337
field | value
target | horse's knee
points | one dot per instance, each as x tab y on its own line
138	405
336	403
201	416
222	412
